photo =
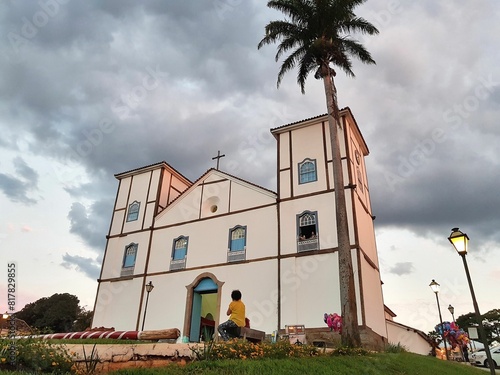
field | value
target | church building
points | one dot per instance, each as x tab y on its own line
197	241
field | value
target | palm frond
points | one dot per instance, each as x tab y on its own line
290	62
356	49
316	32
360	25
308	63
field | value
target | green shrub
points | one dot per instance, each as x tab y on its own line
242	349
34	355
395	348
345	350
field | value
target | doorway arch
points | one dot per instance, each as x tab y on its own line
204	285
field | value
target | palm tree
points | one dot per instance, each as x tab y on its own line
317	35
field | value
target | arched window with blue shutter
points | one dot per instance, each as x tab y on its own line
133	211
307	171
307	231
237	243
238	239
129	257
180	248
179	253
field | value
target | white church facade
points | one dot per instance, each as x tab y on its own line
198	241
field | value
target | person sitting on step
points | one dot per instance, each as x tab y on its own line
236	313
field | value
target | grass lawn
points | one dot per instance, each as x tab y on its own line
295	360
375	364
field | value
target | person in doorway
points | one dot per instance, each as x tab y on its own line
236	313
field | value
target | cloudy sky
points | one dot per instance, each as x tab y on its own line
92	88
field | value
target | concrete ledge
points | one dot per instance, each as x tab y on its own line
125	352
117	356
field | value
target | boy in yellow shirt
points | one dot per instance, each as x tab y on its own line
236	312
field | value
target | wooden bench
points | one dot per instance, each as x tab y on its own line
252	335
249	334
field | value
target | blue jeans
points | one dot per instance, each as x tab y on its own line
223	329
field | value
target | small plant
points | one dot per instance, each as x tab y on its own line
242	349
89	364
4	352
344	350
34	355
205	352
395	348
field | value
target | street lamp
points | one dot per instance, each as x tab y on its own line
149	288
451	309
5	316
460	242
435	288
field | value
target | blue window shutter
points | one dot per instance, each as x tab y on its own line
238	244
180	248
180	253
130	255
307	171
133	211
237	238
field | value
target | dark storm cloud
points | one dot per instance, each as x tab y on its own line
443	171
25	171
18	187
402	268
70	89
88	266
432	127
91	224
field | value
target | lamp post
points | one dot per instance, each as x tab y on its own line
451	309
149	288
435	288
460	242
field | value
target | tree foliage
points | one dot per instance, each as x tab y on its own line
56	313
317	35
83	320
490	320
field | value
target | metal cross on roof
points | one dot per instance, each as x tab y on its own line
218	158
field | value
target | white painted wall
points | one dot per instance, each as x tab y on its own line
285	186
121	201
208	239
138	192
284	150
117	222
215	194
215	189
310	288
325	207
116	249
366	234
372	298
117	305
244	197
307	143
408	337
155	179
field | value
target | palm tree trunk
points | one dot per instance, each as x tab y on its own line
350	329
